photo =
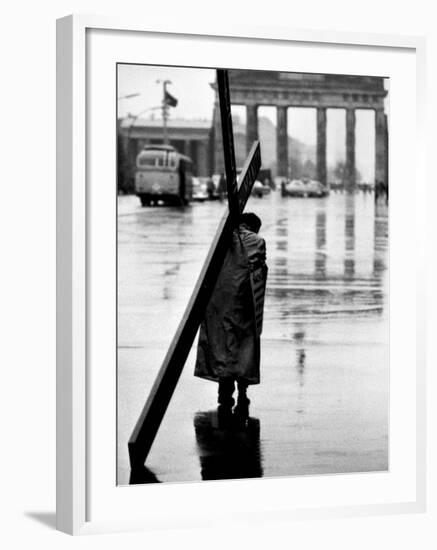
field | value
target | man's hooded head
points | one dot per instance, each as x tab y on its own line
251	220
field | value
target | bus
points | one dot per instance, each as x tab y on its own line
163	174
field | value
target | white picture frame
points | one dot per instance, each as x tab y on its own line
74	464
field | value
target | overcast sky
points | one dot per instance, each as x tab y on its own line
195	98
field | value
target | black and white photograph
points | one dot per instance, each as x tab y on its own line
252	274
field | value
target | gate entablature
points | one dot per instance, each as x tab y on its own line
306	90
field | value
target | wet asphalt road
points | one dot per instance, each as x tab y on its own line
322	405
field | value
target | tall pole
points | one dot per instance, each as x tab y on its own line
228	143
164	108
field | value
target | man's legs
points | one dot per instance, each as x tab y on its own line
242	393
226	401
225	390
241	411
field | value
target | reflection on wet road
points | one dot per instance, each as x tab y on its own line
229	451
322	405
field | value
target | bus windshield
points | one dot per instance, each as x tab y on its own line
157	159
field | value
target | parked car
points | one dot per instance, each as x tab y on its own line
210	187
304	187
218	189
200	190
259	190
265	176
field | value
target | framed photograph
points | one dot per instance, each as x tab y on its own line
240	336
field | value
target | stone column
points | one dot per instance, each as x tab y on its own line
132	151
381	150
202	158
193	153
217	140
321	145
281	142
350	149
251	125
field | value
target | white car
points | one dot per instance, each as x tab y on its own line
304	187
200	190
259	190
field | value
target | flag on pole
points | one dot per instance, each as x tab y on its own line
170	100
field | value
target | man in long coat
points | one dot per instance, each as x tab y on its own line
228	350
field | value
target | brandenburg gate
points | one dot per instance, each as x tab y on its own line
254	89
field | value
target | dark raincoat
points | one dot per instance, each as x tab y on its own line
228	345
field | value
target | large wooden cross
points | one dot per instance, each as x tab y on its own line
153	412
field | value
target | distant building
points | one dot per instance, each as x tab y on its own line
195	139
190	137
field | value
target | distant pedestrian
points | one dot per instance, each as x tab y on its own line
222	187
228	350
210	188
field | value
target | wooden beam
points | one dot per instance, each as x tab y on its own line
153	412
228	142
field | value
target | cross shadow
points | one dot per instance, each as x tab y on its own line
228	450
45	518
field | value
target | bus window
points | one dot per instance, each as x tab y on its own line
172	160
158	159
147	159
161	159
155	159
